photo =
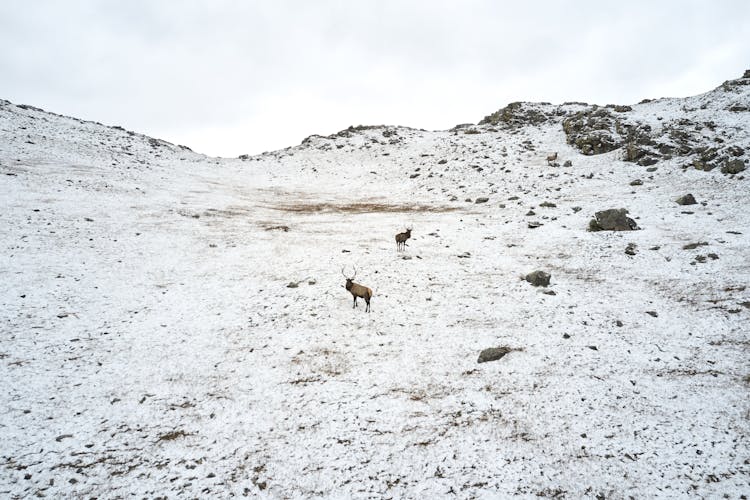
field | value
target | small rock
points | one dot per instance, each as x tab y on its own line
734	166
482	199
636	182
693	246
568	164
547	204
530	213
534	225
613	219
493	354
538	278
631	249
618	323
687	199
292	285
653	313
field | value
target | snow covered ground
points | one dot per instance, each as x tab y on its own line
176	325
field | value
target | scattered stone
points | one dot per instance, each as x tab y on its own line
593	348
413	176
734	166
653	313
636	182
292	284
534	225
566	336
482	199
493	354
693	246
687	199
631	249
549	292
530	213
547	204
538	278
576	209
652	169
713	256
464	255
614	219
618	323
568	164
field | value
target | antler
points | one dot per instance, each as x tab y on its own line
347	277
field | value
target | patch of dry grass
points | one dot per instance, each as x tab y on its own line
361	207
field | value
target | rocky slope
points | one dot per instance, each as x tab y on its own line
173	324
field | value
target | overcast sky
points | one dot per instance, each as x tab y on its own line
231	77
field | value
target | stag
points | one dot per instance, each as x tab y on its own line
401	239
357	290
552	158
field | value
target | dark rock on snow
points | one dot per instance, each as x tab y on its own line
687	199
538	278
614	219
493	354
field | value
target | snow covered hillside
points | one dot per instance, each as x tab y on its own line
176	325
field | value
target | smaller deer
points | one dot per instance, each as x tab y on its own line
357	290
552	158
401	239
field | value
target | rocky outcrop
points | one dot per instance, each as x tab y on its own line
518	114
593	131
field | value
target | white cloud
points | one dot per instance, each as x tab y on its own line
230	77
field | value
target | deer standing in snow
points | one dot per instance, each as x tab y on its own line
357	290
552	158
401	239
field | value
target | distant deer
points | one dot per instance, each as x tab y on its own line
401	239
552	158
357	290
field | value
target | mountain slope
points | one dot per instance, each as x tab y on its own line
174	324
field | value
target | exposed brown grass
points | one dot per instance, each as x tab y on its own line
361	207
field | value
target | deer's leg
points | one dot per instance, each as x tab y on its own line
355	302
367	309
